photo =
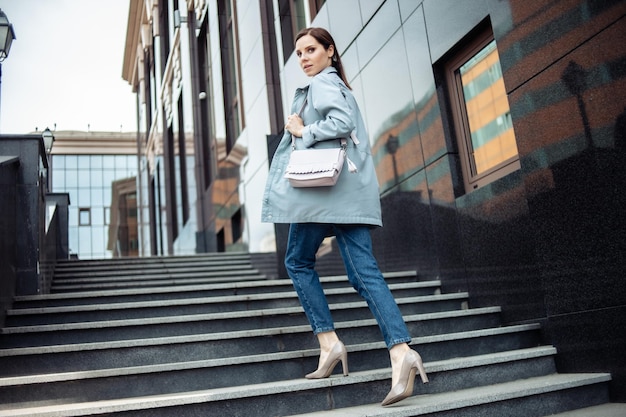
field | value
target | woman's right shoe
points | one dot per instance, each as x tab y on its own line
337	353
411	364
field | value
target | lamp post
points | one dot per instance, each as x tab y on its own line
6	38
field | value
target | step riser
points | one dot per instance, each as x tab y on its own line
113	270
282	285
187	279
152	275
157	330
165	260
209	306
264	344
537	405
290	403
259	372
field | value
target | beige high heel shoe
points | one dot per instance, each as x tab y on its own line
411	363
337	353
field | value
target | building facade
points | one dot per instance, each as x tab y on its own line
497	128
88	166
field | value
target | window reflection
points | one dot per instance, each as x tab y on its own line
480	112
488	113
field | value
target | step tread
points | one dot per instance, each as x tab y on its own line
419	404
169	340
212	300
446	401
603	410
190	288
188	318
383	373
223	276
150	275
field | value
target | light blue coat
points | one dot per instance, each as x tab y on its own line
331	112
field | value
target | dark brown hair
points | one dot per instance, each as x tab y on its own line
326	40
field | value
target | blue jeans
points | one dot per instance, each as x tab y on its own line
355	244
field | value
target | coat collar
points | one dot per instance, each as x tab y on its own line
328	70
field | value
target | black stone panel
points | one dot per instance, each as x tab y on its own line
592	341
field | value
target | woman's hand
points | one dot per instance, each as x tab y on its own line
295	125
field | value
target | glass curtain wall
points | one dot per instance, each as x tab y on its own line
87	179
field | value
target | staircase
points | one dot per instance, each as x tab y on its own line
211	336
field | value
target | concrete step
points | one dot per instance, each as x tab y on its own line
535	396
206	305
123	273
138	272
445	375
211	335
603	410
177	325
251	287
155	281
169	260
137	263
139	352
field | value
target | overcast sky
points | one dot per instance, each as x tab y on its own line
65	67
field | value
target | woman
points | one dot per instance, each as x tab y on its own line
347	210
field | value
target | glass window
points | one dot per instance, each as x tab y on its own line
84	241
96	161
84	197
131	163
58	162
481	113
97	199
108	176
83	162
73	192
120	162
108	161
71	162
107	197
71	178
96	178
84	216
97	216
73	216
231	71
97	242
58	179
83	178
73	238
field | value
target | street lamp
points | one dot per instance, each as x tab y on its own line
392	145
6	38
48	141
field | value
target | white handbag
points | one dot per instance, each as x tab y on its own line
313	167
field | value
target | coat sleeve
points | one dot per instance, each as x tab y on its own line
330	103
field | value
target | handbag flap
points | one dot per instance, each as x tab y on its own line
315	160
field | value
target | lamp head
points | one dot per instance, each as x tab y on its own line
7	34
48	140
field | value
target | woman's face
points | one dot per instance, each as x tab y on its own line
312	55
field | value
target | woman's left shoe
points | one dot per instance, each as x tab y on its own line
411	364
337	353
